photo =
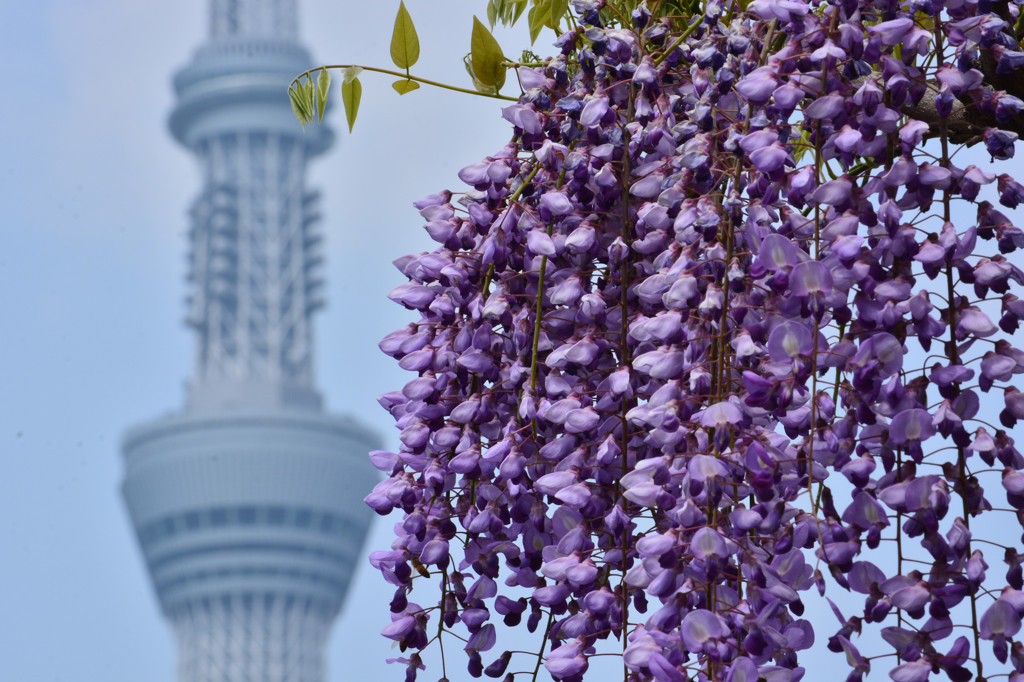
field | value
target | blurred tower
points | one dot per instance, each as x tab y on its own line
248	504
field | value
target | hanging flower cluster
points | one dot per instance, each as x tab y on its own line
704	336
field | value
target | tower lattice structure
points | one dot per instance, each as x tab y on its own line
248	503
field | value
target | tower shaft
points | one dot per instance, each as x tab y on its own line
254	251
248	505
229	18
256	637
253	270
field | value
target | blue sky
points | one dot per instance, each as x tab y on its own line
93	201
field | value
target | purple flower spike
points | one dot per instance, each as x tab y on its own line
787	97
663	670
595	112
551	483
640	650
647	187
917	671
789	340
655	545
864	575
434	552
631	373
1013	481
524	117
553	594
1013	400
777	252
758	85
785	11
721	414
531	78
829	106
475	174
698	627
810	278
973	321
1000	143
847	139
914	425
853	656
660	364
483	639
540	243
557	203
645	75
959	82
891	32
1000	620
742	670
707	542
769	159
758	140
834	192
884	349
566	661
399	629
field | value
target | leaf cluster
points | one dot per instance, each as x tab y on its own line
543	13
309	97
485	63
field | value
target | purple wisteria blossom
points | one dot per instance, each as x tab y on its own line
711	338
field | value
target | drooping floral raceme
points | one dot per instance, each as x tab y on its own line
725	322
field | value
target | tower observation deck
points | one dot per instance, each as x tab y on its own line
248	503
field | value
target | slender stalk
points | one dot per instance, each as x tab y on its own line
538	314
543	645
540	300
954	357
399	74
440	624
511	200
690	28
627	360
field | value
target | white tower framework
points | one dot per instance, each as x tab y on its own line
248	504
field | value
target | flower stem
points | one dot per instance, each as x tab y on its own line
399	74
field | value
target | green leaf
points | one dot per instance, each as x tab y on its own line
480	87
802	145
405	44
505	12
559	8
405	86
859	169
536	20
309	96
487	57
323	86
351	93
520	6
297	106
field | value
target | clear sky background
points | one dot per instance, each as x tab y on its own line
93	202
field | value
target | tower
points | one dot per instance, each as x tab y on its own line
248	503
